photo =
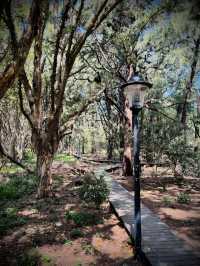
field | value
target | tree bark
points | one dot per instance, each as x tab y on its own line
46	145
109	148
44	172
127	157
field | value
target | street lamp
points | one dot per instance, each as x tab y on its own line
134	90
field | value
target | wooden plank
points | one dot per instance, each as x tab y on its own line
160	245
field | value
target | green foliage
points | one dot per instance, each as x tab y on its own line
29	157
168	201
88	249
46	260
83	218
9	218
94	190
34	258
65	158
29	258
76	233
179	152
78	264
11	169
18	186
68	242
183	198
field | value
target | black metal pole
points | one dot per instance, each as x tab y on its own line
136	171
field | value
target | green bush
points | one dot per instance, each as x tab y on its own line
8	191
183	198
168	201
94	190
76	233
30	258
9	219
82	218
18	186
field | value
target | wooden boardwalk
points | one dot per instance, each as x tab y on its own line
160	245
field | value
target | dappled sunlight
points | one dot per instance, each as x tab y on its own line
48	227
99	132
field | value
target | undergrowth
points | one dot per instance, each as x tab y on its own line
94	190
9	219
83	218
18	186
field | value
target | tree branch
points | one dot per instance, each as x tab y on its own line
73	116
56	52
12	70
9	157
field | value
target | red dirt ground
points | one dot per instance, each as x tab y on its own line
159	193
46	236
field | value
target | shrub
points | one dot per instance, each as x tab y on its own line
9	219
18	186
68	242
93	190
76	233
168	201
8	191
88	249
82	218
30	258
183	198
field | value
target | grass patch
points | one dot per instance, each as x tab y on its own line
9	219
62	157
11	169
83	218
18	186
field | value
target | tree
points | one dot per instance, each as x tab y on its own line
21	47
45	97
118	49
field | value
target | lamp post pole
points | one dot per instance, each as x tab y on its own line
136	170
134	90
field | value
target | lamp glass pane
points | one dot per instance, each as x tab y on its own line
135	94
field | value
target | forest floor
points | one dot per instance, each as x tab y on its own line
176	201
39	232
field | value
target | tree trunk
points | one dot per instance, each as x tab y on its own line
44	172
46	145
83	146
121	129
109	148
127	158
